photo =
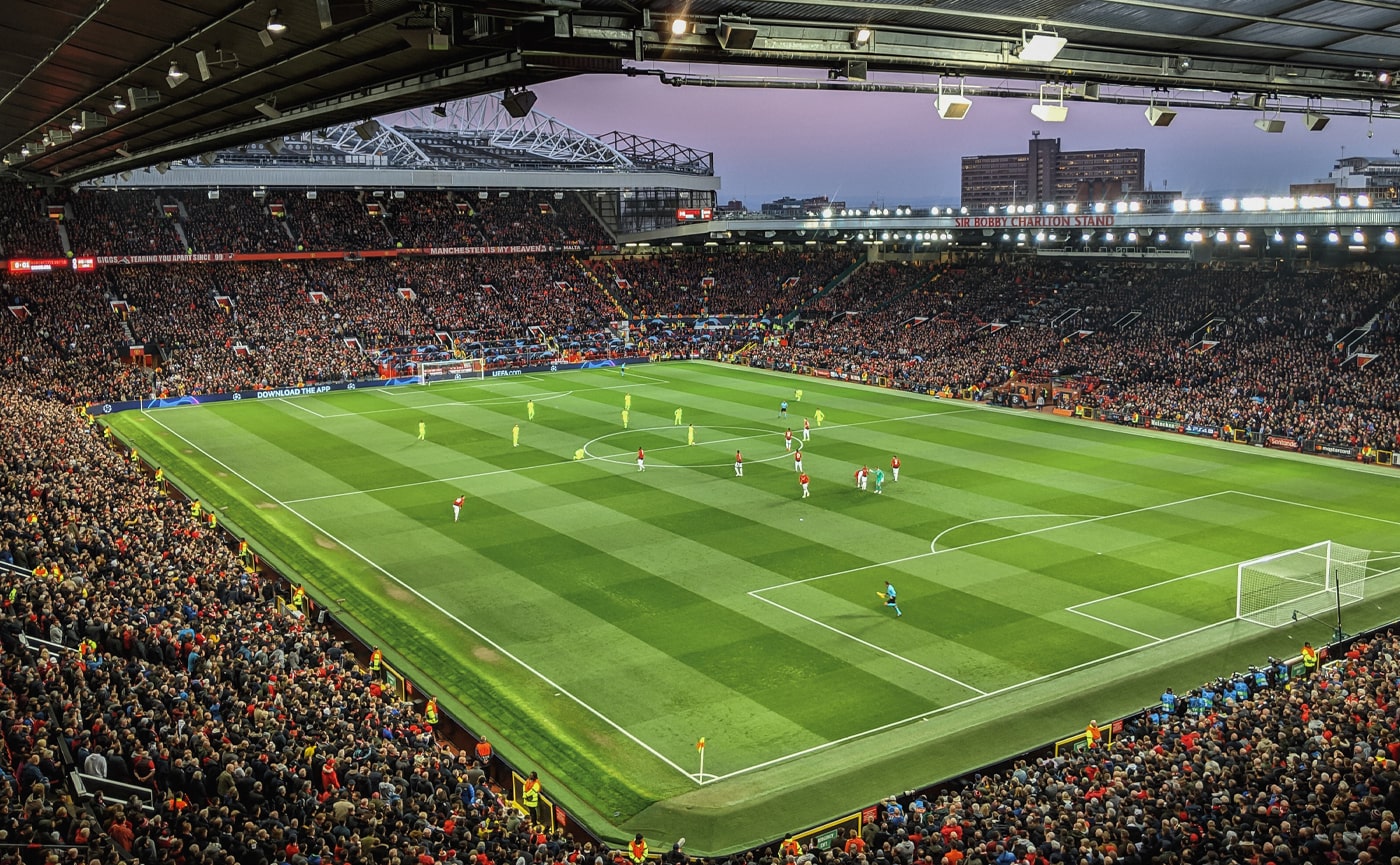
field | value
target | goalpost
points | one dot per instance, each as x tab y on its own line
428	371
1309	581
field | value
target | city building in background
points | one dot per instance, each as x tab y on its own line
1376	176
1045	174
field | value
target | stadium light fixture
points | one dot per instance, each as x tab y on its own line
1315	121
176	76
1273	124
1051	107
76	125
518	103
1159	115
1389	236
268	108
118	104
438	111
367	130
1182	65
862	37
1040	45
679	26
275	24
952	106
736	35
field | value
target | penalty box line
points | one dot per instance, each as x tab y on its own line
438	607
968	546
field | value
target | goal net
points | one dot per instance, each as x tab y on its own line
429	371
1310	581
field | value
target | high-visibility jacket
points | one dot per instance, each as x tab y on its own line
299	596
376	660
195	508
430	712
637	850
1309	657
530	793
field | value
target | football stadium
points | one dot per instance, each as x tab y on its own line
456	486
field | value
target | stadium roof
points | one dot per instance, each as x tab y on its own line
192	80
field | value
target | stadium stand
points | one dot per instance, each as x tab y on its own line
27	231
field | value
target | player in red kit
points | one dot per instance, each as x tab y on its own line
787	439
806	430
894	468
457	507
797	458
804	480
738	464
641	460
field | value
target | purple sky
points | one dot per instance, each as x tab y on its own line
891	148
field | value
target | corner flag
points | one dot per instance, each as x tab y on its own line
700	746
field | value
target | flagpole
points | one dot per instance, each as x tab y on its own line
700	746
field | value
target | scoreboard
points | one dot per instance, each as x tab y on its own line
44	265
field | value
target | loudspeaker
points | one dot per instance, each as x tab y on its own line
519	103
855	70
1315	122
1269	124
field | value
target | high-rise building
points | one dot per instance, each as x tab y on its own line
1045	174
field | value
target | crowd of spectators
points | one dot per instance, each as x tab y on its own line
1252	348
26	231
768	284
527	217
133	222
336	219
233	222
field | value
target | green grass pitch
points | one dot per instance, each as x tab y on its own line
596	621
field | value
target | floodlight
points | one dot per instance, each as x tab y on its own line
736	37
176	76
268	109
679	26
1159	115
76	125
367	130
862	37
118	104
123	152
1182	65
518	103
438	111
1315	122
274	22
1053	109
1040	45
952	106
1269	124
274	146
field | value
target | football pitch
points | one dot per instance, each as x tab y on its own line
595	621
